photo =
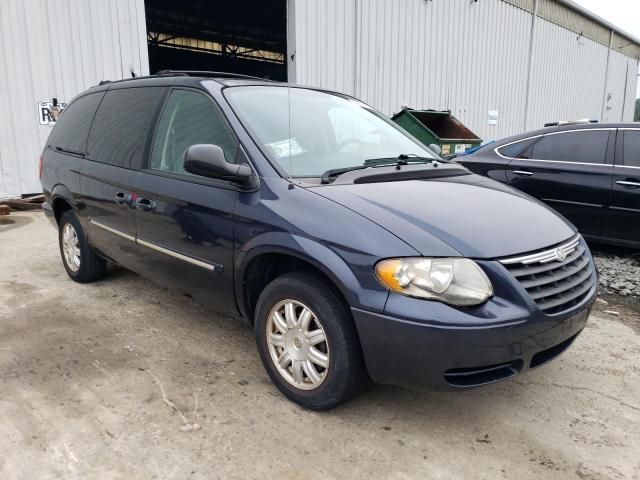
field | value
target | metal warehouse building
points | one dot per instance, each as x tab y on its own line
500	66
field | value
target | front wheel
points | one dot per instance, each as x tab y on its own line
307	341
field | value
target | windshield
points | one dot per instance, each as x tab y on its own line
307	132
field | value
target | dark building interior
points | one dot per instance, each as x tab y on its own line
241	36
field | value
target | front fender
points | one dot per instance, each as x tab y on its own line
361	291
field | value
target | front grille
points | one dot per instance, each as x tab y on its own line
557	278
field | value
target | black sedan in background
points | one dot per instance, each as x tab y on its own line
588	172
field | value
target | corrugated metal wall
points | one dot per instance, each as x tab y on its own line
621	88
445	58
469	57
325	37
567	81
57	48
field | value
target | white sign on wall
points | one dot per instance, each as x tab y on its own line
48	113
493	117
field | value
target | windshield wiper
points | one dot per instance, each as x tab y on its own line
326	176
402	159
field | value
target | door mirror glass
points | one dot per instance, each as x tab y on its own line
208	160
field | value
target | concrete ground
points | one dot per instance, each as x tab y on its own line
122	379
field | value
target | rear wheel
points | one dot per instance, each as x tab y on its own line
80	260
307	341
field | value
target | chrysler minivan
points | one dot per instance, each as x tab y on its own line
355	252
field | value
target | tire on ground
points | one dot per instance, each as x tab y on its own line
345	374
92	267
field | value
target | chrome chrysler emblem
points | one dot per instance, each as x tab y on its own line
560	254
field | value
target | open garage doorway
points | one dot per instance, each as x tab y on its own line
240	36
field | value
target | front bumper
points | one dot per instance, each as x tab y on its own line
404	349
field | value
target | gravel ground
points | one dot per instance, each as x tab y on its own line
619	271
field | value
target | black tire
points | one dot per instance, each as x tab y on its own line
345	374
92	267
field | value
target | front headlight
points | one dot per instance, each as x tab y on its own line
456	281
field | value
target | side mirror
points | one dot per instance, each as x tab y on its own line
208	161
436	148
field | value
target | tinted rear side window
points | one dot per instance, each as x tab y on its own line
587	146
72	128
121	126
632	148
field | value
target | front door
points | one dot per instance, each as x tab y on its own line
185	222
623	222
571	172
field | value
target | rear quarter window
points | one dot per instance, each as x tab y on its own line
514	149
72	128
121	125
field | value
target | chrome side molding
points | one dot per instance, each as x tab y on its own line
212	267
113	230
179	256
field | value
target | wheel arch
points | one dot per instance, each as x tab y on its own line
263	263
61	201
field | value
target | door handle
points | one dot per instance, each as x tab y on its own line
629	183
122	198
145	204
522	173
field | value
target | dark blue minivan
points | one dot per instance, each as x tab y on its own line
354	251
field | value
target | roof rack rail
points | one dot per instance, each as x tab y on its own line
570	122
186	73
209	73
141	77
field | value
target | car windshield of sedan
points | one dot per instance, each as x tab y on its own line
307	132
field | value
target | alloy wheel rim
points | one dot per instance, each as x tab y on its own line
71	247
298	344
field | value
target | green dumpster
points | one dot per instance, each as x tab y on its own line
439	127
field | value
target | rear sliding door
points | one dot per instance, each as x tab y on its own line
115	150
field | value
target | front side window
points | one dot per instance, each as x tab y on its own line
189	118
585	146
307	132
631	147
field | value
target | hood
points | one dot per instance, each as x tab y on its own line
478	217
